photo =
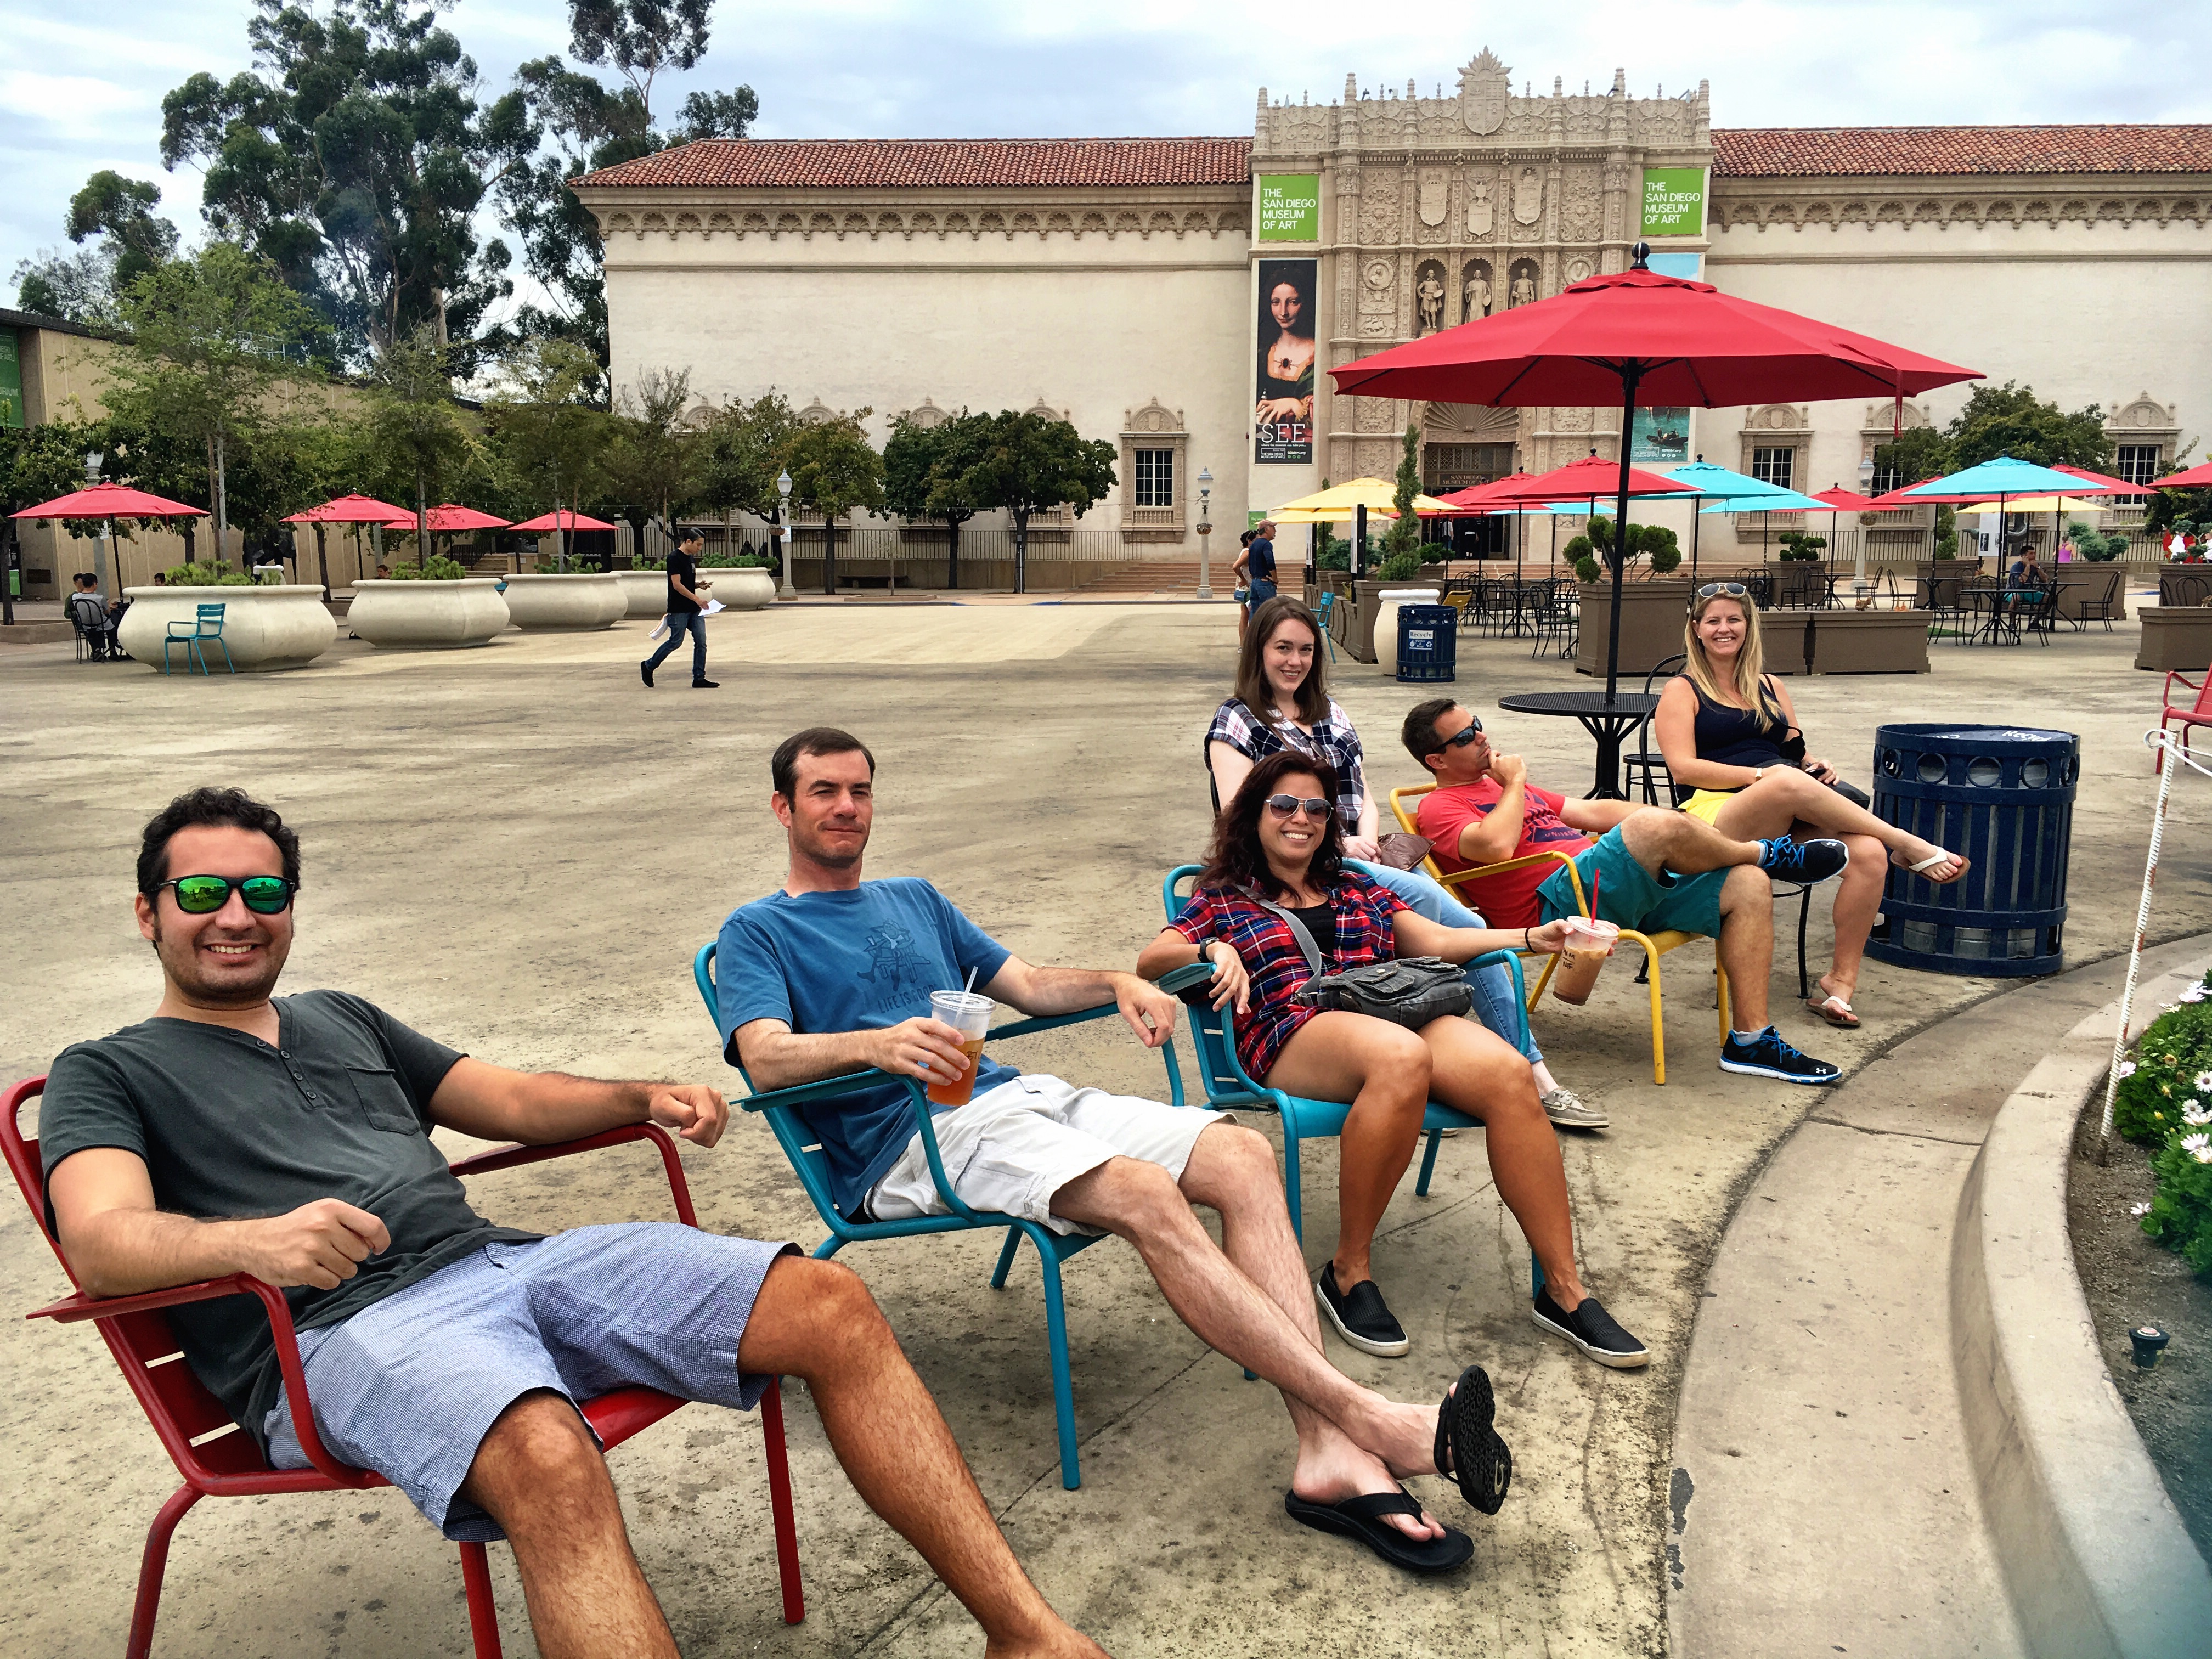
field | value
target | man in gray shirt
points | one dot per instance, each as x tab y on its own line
288	1138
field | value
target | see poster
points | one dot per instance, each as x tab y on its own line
1282	411
1660	436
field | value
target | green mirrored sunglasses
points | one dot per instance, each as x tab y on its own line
200	896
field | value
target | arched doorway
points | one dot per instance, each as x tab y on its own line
1463	444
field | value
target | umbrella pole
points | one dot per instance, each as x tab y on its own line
322	564
1697	522
1629	376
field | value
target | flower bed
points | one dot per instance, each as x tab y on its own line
2164	1101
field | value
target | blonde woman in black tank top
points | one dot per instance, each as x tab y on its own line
1721	725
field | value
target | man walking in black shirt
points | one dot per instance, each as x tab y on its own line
684	612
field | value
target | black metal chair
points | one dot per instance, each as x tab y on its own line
1646	765
95	640
2041	618
2096	604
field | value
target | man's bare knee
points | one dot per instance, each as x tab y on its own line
537	1453
1239	1164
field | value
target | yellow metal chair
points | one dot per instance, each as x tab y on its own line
1654	945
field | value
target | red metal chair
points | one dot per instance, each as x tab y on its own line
229	1464
2198	713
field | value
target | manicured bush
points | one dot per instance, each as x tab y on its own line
1586	566
439	569
1400	567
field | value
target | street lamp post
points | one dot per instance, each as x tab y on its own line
92	460
1204	531
1861	589
783	523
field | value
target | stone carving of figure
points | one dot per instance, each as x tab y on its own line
1477	298
1430	294
1523	291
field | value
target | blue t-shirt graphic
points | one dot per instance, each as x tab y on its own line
854	961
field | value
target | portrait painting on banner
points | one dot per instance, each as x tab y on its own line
1282	414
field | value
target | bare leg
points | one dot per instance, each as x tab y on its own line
539	1475
1858	900
1474	1073
815	1320
1747	944
1789	796
1688	845
1234	1314
1383	1071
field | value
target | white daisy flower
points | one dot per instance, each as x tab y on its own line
2204	1081
2127	1069
2195	1115
2194	993
2199	1144
2139	1211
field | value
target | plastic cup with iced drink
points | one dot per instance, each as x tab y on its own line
969	1015
1589	941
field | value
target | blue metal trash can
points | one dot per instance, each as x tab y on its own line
1428	643
2002	797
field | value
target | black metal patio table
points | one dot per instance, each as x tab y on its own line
1611	721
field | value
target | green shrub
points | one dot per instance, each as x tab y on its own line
2162	1072
2094	545
205	576
1335	555
1400	567
1666	560
1946	532
723	560
1801	546
1585	567
439	569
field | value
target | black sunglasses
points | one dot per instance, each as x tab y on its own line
1313	805
200	896
1733	590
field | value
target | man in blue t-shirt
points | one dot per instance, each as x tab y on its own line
831	975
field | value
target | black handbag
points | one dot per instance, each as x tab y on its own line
1793	750
1409	991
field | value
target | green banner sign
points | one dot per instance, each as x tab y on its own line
11	381
1673	201
1290	207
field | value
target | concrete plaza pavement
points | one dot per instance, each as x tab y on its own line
517	849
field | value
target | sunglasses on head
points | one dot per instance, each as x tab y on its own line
1732	590
1312	806
200	896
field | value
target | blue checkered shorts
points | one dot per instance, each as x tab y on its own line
411	1385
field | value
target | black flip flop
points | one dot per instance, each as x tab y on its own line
1361	1518
1468	1447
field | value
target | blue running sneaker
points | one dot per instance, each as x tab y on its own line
1765	1054
1810	862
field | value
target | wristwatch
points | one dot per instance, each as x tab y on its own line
1757	773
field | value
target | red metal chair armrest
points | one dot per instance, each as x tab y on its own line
81	1307
508	1157
2165	692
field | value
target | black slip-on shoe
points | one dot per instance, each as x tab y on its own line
1808	861
1765	1054
644	672
1361	1316
1592	1329
706	685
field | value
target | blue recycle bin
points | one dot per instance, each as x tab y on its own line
2003	797
1428	643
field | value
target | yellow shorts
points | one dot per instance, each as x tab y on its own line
1706	804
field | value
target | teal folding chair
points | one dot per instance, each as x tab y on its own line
200	631
1321	610
810	1164
1229	1086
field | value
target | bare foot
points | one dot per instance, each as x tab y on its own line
1915	850
1833	1004
1332	1469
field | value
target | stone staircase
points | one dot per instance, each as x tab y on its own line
1157	576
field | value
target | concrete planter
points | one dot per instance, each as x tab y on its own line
646	591
2077	582
429	616
739	589
566	605
1866	642
2185	583
2174	636
1384	628
263	628
1651	618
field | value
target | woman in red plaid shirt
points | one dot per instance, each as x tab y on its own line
1280	838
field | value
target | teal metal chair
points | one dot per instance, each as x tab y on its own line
200	630
1229	1086
1322	609
810	1164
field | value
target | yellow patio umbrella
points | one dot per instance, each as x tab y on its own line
1335	505
2043	504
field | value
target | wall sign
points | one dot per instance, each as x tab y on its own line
1660	436
1290	207
11	380
1673	201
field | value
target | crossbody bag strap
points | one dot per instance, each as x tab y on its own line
1298	931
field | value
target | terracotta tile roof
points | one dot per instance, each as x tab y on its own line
1827	152
910	163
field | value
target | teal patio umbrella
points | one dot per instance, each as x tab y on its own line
1716	482
1771	500
2005	477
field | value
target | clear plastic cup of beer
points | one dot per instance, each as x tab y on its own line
969	1015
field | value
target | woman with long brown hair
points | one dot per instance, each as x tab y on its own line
1281	703
1730	733
1278	852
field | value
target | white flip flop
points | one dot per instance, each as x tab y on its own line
1940	857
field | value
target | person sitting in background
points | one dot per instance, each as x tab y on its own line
160	579
1277	852
88	611
1728	731
1648	869
1281	701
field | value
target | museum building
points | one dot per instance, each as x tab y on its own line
1184	298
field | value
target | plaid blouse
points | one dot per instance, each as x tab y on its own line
1276	964
1331	740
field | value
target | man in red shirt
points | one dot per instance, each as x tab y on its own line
1651	870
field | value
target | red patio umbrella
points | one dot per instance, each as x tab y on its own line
1841	501
447	518
2197	477
561	522
353	509
2101	480
110	502
1635	337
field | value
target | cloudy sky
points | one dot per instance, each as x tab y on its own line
82	86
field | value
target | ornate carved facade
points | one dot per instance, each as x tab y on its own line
1460	204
